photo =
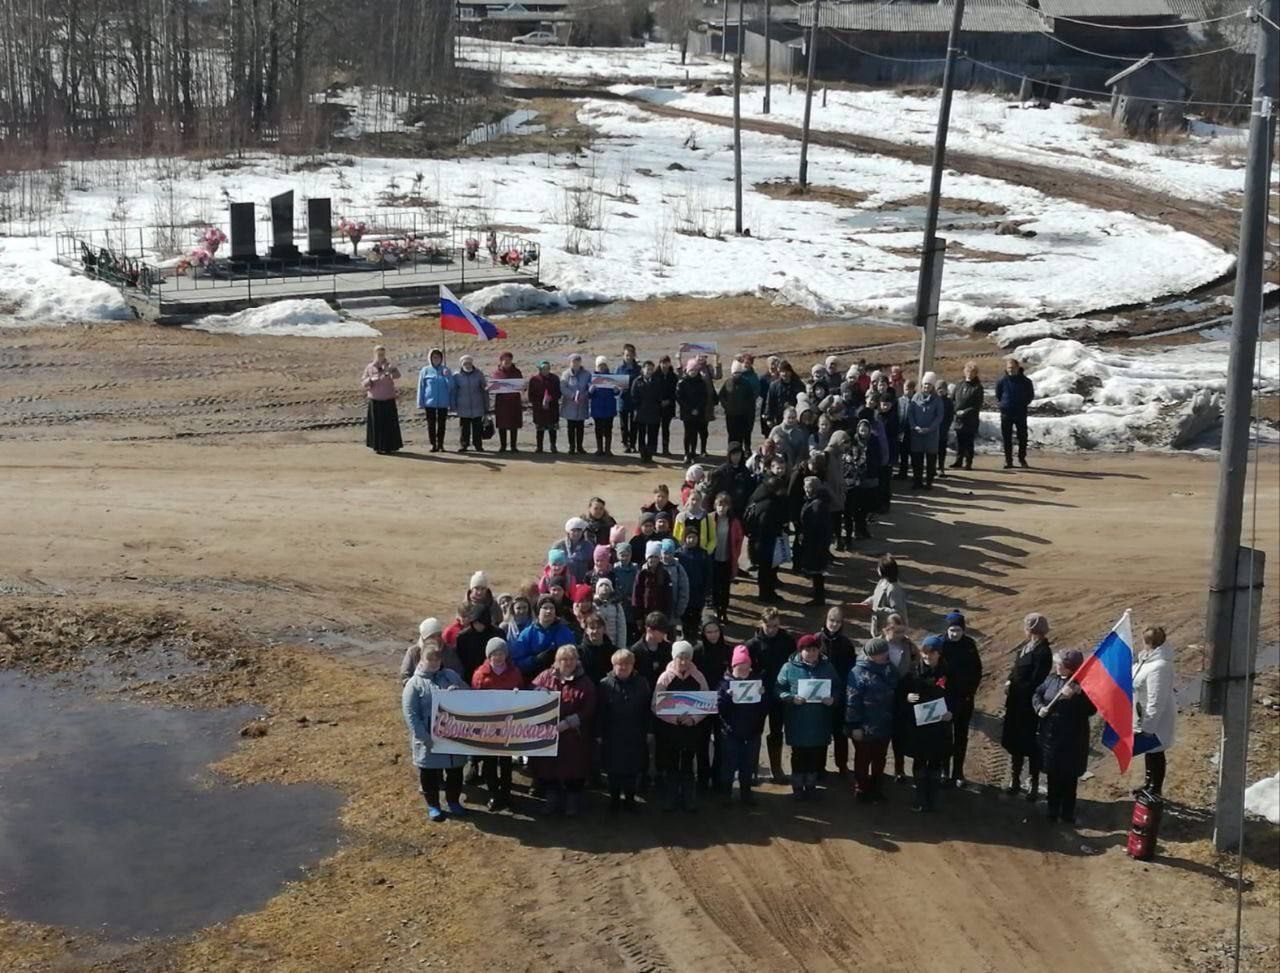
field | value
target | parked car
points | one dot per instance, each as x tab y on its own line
538	38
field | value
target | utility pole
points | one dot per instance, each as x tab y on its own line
808	98
1235	579
928	252
768	54
724	31
737	130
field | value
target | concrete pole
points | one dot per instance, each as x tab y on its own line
737	130
768	53
1228	810
1245	318
808	97
724	31
924	297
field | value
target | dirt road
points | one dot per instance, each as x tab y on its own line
169	492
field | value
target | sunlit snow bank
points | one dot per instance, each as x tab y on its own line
35	290
1099	398
510	298
1263	799
301	319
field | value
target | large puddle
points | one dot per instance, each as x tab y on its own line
112	823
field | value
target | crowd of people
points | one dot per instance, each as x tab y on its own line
912	427
620	615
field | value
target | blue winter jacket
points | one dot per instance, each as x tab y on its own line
697	567
534	641
415	702
925	412
604	403
435	387
1014	394
869	698
632	372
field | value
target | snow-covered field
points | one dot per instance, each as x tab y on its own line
655	195
653	62
1202	166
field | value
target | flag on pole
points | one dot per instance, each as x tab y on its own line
1107	679
455	317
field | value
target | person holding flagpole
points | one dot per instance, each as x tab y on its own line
1064	709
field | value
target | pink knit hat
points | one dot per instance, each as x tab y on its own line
741	656
617	534
603	554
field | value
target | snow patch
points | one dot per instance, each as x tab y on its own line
35	290
1263	799
795	293
510	298
309	318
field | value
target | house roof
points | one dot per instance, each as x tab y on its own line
1108	9
1147	64
985	16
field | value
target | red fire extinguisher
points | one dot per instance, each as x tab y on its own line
1145	827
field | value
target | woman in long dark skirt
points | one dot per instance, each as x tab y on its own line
382	424
1032	662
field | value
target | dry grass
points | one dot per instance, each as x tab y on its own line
786	189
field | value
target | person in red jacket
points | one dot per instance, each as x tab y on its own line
497	672
728	533
564	775
653	584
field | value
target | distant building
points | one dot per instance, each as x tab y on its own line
504	19
1148	98
1051	49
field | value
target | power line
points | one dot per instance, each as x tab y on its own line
1135	60
1181	25
883	57
1091	91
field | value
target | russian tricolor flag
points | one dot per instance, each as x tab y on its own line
455	317
1107	679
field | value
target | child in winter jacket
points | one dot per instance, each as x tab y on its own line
556	573
653	590
601	566
497	672
726	550
869	709
624	585
697	568
611	612
577	547
740	727
679	580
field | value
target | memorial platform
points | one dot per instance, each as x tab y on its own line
402	257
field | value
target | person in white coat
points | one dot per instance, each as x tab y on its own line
888	597
1155	714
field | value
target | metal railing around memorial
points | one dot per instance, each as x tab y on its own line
399	250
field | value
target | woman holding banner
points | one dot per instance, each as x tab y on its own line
497	672
679	736
575	393
508	409
433	768
563	775
544	404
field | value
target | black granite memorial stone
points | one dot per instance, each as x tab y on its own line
243	244
282	246
320	227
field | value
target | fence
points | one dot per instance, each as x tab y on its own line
400	249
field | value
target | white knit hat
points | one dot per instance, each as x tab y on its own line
929	378
496	645
429	628
737	368
479	580
603	585
653	549
682	648
695	473
601	361
575	523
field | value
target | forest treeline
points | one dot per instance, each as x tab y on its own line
204	73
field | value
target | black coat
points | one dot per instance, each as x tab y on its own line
667	381
712	659
646	400
622	721
691	396
964	668
968	397
780	395
597	660
1064	733
471	645
933	741
815	530
1030	669
737	398
769	653
764	520
842	652
737	481
647	658
742	721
